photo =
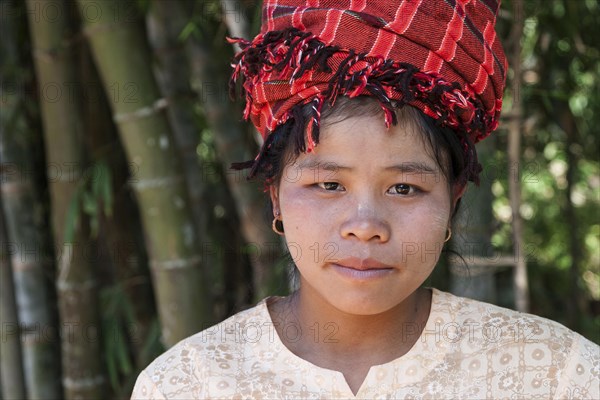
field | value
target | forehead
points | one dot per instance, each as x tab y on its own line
365	139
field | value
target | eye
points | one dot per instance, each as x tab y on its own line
331	186
403	189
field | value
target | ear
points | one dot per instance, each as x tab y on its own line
457	192
274	194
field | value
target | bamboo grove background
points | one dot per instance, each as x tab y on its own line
122	229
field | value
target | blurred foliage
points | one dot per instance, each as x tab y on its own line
561	80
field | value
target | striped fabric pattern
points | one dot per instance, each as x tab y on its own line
441	56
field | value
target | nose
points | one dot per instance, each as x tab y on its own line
365	225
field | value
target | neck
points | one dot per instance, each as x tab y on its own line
331	337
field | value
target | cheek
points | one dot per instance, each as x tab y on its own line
427	218
434	223
311	228
299	214
421	235
303	209
294	208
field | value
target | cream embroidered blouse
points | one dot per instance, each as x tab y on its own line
468	350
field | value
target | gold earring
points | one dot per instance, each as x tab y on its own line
275	225
449	235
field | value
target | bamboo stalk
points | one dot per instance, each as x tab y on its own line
32	269
11	365
123	60
210	73
83	375
235	20
166	21
222	243
120	229
28	252
521	285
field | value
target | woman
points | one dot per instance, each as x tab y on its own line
370	112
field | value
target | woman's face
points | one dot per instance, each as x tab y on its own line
365	215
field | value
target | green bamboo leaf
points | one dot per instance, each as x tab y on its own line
90	204
90	207
114	312
110	309
94	179
71	219
152	345
107	190
126	307
111	362
121	352
188	30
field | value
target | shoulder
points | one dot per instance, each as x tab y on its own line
498	321
184	370
535	346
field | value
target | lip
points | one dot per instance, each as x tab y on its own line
357	269
362	264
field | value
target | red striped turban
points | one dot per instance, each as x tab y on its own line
440	56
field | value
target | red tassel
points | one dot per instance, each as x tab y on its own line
389	117
310	143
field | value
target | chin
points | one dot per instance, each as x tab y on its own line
364	305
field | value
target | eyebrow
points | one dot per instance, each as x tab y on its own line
413	167
327	165
409	167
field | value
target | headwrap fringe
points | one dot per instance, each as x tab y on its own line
292	53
